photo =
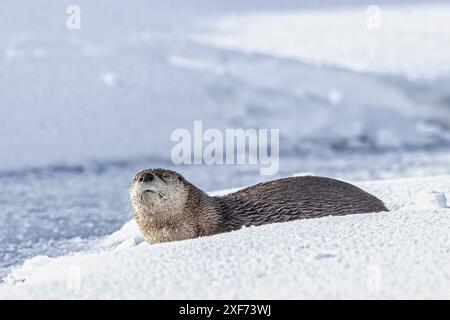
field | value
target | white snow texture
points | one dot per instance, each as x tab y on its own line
114	91
404	253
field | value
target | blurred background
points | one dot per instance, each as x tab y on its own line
358	89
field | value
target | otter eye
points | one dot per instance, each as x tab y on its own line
180	178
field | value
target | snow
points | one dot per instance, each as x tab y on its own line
90	93
83	110
345	38
399	254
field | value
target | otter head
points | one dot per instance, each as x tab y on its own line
158	194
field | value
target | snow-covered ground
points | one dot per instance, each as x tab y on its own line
404	253
401	40
82	110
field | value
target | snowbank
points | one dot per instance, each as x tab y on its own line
77	97
401	254
408	40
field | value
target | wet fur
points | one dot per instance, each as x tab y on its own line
177	210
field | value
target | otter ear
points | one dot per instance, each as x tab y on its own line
180	177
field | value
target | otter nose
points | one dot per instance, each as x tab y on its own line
146	177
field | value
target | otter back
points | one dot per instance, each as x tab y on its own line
294	198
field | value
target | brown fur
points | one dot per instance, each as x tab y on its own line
170	208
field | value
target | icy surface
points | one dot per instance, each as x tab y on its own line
82	111
116	91
399	254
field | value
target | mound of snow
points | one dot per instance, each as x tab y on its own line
91	94
399	254
409	40
348	83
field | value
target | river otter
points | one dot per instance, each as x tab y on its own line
167	207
